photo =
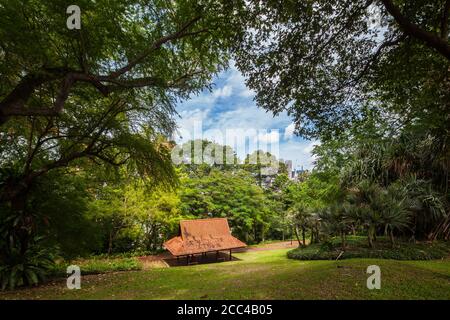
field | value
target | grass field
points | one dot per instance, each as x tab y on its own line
260	275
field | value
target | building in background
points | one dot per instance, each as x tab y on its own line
298	173
288	164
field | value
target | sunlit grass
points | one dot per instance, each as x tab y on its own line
261	275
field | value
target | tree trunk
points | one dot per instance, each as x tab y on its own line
369	238
110	242
155	236
317	237
25	227
297	236
391	235
430	39
343	244
304	236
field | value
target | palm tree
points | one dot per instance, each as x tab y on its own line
395	213
394	217
364	208
428	207
418	160
337	221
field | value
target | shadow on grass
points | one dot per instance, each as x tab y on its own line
209	257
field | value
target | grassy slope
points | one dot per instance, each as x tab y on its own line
261	275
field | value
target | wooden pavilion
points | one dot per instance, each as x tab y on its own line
202	236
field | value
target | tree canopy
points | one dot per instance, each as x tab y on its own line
104	93
328	63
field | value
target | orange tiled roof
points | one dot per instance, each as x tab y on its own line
203	235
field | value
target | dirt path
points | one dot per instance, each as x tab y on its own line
271	246
160	260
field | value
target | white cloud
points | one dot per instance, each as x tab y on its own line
204	116
300	152
190	124
268	137
237	81
310	147
235	78
224	92
247	93
250	116
289	131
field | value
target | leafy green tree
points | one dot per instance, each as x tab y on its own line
199	157
101	95
263	165
280	225
134	216
161	218
231	195
299	215
167	48
415	161
374	208
317	191
327	62
61	214
116	209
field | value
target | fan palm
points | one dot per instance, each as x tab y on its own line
337	221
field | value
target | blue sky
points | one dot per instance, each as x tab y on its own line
230	105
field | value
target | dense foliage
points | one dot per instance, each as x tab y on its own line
357	248
86	118
370	80
330	62
232	195
80	103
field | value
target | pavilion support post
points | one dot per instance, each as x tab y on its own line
231	257
217	255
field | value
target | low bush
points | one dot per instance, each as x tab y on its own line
131	254
25	267
357	248
97	265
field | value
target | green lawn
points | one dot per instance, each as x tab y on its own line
260	275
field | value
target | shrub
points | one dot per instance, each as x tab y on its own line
357	248
97	265
25	268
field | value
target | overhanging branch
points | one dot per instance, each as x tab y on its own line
14	104
413	30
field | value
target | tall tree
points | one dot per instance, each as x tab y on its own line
326	62
104	93
232	195
101	95
125	45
